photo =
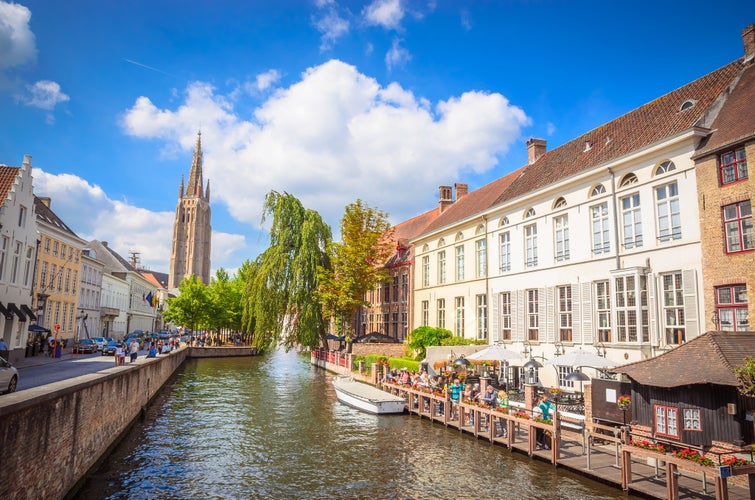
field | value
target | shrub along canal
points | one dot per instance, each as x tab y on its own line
270	427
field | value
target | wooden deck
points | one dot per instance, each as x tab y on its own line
591	450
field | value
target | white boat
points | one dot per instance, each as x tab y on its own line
366	397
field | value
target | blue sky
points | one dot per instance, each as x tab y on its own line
328	100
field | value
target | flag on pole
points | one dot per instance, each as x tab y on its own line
148	298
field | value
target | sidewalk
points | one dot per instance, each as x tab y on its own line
44	359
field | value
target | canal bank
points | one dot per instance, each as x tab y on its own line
52	435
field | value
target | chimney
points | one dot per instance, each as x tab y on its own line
45	200
535	149
748	38
27	161
461	190
445	198
104	243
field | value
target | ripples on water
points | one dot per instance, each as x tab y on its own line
270	427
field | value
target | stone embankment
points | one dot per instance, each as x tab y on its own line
51	436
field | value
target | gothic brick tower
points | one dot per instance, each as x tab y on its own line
191	228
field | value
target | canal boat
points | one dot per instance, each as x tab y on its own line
366	397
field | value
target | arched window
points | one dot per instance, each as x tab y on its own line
666	166
529	213
559	203
425	248
598	190
503	222
441	243
459	236
689	103
480	230
628	180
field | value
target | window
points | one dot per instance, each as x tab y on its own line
395	289
482	316
631	309
52	277
533	320
43	275
598	190
563	372
505	252
731	305
628	180
738	227
441	267
530	242
630	213
482	258
459	327
505	298
599	217
3	252
441	313
425	313
47	245
16	258
669	219
404	287
503	222
559	203
733	166
673	308
21	216
425	270
68	280
692	419
666	421
387	292
460	263
561	230
603	302
55	248
529	213
564	313
664	167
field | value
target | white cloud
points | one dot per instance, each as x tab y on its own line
124	226
334	136
44	95
332	27
267	79
17	42
397	55
385	13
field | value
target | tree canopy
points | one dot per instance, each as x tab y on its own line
280	302
192	306
358	263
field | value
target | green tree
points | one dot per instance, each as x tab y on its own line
280	301
358	263
746	377
225	297
420	338
192	307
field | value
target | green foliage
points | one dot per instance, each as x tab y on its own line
746	376
398	363
420	338
357	263
280	303
193	305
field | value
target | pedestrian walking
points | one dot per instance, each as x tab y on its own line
120	354
134	349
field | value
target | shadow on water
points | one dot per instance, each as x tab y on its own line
270	427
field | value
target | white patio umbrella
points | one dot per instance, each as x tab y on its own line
495	353
578	357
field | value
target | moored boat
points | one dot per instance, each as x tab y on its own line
366	397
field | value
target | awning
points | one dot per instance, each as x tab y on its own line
14	309
27	310
36	328
5	312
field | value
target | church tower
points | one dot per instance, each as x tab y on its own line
191	228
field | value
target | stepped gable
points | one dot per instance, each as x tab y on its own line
475	202
718	352
646	125
736	120
7	178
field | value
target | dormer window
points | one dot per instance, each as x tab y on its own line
689	103
598	190
664	167
628	180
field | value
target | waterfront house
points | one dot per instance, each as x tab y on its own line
689	395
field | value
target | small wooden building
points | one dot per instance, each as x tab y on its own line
689	396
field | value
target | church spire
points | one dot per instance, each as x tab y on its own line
194	187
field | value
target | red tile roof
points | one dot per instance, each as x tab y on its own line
718	352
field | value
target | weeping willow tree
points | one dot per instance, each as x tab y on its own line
281	303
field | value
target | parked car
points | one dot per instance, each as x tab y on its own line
8	377
101	342
110	347
85	346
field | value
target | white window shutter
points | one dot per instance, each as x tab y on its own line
654	305
550	315
588	336
689	288
542	314
576	315
519	308
494	319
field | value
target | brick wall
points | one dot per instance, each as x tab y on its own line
720	268
51	437
389	350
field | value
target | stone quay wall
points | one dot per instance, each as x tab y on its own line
51	436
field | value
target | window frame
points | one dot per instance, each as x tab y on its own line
668	212
735	307
481	301
741	222
667	410
604	230
561	237
631	221
425	270
459	316
481	247
459	257
530	245
565	304
672	304
533	315
504	251
441	313
738	165
441	267
505	313
698	418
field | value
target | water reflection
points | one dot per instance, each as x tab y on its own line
270	427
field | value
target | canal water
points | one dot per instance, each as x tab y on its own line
270	427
